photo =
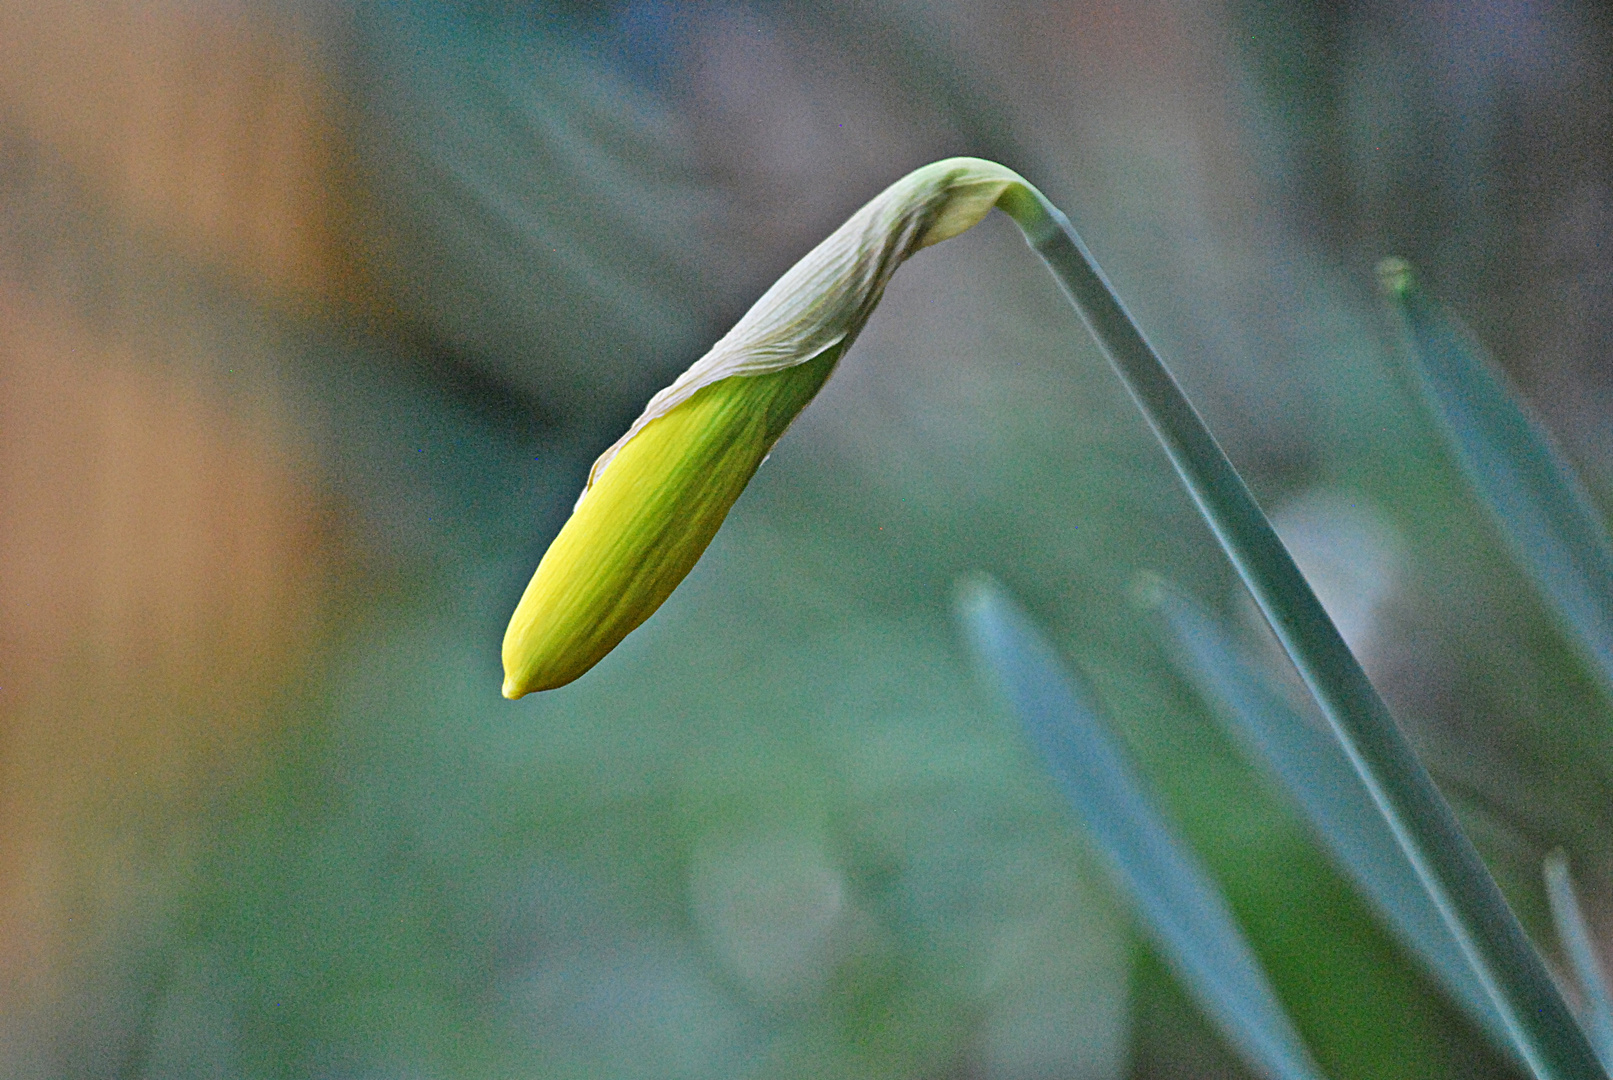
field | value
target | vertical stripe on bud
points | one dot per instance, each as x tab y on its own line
656	498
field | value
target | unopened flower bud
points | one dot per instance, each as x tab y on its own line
657	496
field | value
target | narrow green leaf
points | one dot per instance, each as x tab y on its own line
1541	1023
1178	902
1315	771
1575	936
1532	491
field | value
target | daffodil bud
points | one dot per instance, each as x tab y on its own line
655	499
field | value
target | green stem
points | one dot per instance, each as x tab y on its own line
1546	1032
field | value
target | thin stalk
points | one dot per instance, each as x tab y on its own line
1310	763
1547	1035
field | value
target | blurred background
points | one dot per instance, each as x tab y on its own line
313	314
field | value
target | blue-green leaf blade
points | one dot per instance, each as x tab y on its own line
1314	769
1538	501
1575	935
1177	901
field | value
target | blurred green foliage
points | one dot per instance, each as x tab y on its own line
781	831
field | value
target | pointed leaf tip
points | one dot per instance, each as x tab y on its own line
1574	934
1533	493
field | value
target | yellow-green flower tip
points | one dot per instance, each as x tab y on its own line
656	498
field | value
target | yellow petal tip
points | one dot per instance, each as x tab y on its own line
511	690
